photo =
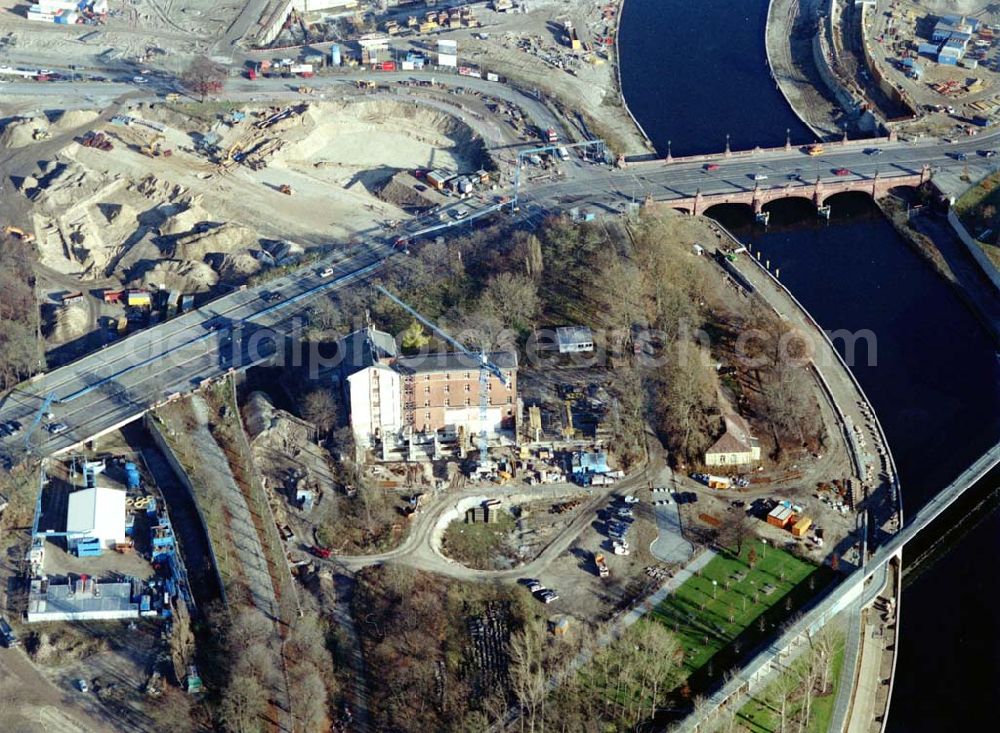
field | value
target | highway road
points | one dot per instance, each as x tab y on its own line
119	382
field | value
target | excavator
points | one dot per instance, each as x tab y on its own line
24	236
152	149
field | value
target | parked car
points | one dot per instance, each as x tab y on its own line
326	272
873	151
81	685
56	427
629	499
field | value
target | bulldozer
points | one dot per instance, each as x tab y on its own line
285	189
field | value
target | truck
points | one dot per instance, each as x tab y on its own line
7	635
815	150
551	135
602	565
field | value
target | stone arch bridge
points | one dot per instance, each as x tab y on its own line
819	192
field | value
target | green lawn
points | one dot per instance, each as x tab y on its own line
759	716
970	208
707	618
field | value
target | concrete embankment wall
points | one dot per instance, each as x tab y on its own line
875	70
975	249
152	424
823	58
771	10
618	75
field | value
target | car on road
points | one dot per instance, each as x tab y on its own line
841	172
11	427
82	686
56	427
711	166
959	156
758	176
140	80
271	296
322	552
629	499
326	272
873	151
988	153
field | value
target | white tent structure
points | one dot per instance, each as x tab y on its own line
96	514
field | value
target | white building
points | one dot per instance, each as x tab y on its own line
311	6
574	339
96	514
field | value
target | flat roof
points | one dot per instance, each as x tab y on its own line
65	600
574	335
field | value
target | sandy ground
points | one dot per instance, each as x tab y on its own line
528	49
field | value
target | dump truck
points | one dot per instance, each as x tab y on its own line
602	565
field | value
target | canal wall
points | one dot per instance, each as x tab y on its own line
618	76
778	45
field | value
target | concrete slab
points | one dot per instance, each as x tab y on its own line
670	546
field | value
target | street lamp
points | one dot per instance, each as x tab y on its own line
727	144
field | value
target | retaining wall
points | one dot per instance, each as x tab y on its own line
984	262
154	429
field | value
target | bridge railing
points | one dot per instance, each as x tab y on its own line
711	157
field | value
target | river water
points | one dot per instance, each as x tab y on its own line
691	72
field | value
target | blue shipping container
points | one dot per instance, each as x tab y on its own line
948	60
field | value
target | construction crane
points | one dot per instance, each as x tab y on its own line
486	368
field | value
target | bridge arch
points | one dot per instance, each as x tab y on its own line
729	209
854	198
910	194
681	210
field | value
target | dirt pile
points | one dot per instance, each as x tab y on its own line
399	191
184	219
186	276
21	131
68	322
237	265
74	118
220	240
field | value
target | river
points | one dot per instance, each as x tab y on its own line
936	381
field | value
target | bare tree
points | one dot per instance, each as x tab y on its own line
320	408
512	299
204	76
527	672
242	705
736	529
